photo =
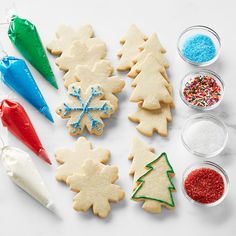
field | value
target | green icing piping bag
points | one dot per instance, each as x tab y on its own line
24	35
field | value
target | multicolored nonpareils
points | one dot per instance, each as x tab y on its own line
202	91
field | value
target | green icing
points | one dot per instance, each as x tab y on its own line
24	35
142	181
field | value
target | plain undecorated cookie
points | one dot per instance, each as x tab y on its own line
131	42
65	36
72	159
96	188
100	74
152	121
152	45
150	87
140	155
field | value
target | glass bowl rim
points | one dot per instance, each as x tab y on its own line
208	29
207	72
204	115
200	165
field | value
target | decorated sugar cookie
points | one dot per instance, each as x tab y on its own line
151	88
151	121
85	109
131	42
72	159
65	36
96	188
101	75
156	185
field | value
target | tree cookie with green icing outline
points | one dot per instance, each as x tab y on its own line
155	186
96	188
85	109
72	159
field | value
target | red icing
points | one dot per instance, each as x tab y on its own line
15	118
204	185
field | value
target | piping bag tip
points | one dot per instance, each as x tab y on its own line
44	156
48	115
52	207
53	82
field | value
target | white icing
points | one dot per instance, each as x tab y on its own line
22	171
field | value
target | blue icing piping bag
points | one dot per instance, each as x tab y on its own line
17	76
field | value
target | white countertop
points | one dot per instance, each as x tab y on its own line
21	215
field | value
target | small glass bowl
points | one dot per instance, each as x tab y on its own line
198	118
213	166
188	77
199	29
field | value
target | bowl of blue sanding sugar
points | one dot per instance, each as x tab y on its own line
199	45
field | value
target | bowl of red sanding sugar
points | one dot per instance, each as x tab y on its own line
204	135
205	184
202	90
199	45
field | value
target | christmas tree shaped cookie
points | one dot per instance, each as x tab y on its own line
152	45
85	109
156	185
95	188
131	42
101	75
140	154
151	88
65	36
71	160
152	121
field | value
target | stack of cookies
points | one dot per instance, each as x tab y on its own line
152	178
85	171
88	78
145	60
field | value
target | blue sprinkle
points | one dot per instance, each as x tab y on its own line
199	48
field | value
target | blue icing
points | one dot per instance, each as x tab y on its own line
17	76
85	108
199	48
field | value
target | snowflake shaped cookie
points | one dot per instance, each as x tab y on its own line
101	74
95	188
85	110
72	159
65	36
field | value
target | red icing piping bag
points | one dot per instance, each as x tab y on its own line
15	118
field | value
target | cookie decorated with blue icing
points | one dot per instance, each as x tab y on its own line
85	109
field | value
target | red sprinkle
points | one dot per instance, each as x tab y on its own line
204	185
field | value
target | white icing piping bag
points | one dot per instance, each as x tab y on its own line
22	171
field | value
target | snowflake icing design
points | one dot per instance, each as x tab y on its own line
86	108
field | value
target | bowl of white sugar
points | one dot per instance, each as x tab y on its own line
204	135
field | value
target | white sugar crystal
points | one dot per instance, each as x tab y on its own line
204	137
